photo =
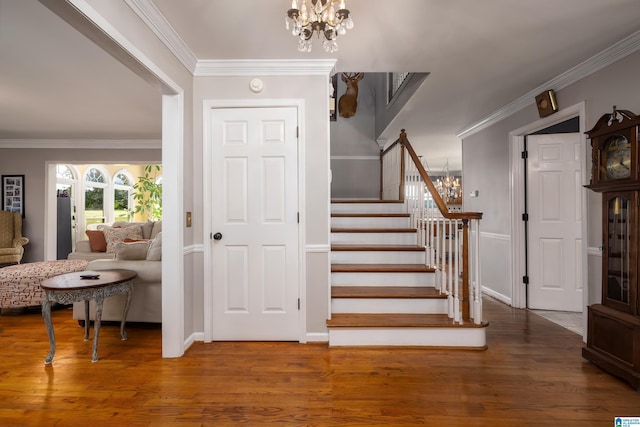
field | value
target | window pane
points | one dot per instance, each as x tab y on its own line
63	190
94	175
121	179
63	172
121	205
94	205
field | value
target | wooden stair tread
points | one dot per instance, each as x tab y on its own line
386	292
381	268
396	321
373	247
373	230
370	215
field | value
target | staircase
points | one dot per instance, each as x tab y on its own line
382	293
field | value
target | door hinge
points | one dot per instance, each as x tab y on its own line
297	131
525	217
298	303
525	280
298	217
525	154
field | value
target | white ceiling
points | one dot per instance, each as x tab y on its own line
482	55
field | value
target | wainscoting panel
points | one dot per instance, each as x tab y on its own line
495	265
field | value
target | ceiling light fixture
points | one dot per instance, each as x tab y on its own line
320	17
448	186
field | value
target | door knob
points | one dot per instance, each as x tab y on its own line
217	236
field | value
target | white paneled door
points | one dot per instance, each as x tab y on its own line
555	222
254	222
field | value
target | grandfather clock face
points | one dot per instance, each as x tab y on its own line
617	158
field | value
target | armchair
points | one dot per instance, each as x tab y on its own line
11	240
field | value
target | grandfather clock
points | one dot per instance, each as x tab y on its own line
613	330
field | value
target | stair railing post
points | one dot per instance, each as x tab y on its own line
465	270
402	173
453	239
381	174
477	302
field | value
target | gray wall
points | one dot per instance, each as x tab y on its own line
355	163
315	212
31	163
485	157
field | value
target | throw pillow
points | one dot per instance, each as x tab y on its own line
97	241
134	251
146	227
155	249
117	235
157	228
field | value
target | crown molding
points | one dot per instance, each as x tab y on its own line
155	20
616	52
266	67
84	144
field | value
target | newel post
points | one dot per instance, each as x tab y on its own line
465	271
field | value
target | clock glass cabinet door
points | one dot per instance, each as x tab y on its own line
619	260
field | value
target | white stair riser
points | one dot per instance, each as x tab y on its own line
389	305
367	208
377	257
383	279
374	238
426	337
370	222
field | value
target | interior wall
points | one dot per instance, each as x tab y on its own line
315	210
385	113
355	161
31	163
141	51
486	154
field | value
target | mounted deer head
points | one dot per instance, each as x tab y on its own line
348	102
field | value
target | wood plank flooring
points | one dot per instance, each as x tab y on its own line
532	374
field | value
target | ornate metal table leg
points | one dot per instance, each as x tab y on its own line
123	333
86	320
96	326
46	313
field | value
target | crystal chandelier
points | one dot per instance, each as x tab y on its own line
448	187
320	17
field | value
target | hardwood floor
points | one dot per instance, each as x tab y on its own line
532	374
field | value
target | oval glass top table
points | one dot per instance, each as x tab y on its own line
85	286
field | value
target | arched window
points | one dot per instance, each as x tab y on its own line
94	200
65	181
122	195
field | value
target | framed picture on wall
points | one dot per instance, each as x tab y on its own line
13	193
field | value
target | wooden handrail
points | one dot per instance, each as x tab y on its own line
442	207
456	280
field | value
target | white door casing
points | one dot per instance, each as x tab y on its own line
555	222
254	206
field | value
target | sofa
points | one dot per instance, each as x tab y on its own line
100	243
140	252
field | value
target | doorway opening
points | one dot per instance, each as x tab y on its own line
521	265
